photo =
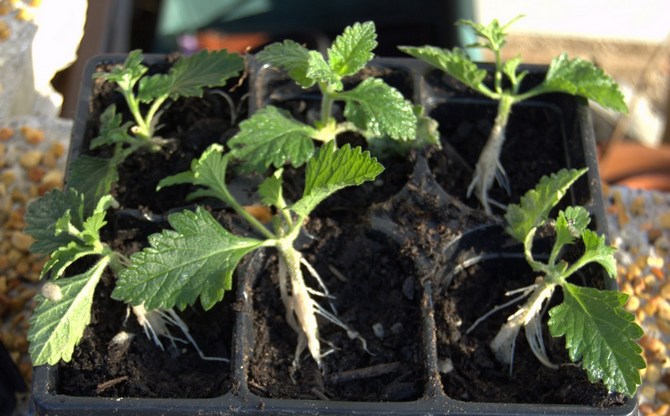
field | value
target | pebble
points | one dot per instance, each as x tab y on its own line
30	159
32	135
5	31
664	221
6	133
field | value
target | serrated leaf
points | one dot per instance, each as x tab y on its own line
126	75
43	214
270	190
271	137
352	50
380	109
455	63
93	177
208	171
493	32
319	70
57	326
580	77
194	260
333	169
64	257
112	129
291	57
570	224
596	250
600	333
190	75
535	205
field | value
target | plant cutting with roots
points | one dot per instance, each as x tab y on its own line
198	256
598	331
571	76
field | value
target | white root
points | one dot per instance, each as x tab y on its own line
155	323
489	168
528	316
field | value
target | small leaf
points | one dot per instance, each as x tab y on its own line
64	257
112	130
536	204
333	169
597	250
601	333
43	214
455	63
291	57
380	109
580	77
270	190
93	177
197	259
190	75
57	326
570	224
271	137
319	71
352	50
126	75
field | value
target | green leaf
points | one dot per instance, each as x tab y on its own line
455	63
93	177
352	50
319	70
596	250
43	214
580	77
112	129
271	137
270	190
190	75
493	33
291	57
600	333
126	75
570	224
535	205
333	169
64	256
57	325
380	109
197	259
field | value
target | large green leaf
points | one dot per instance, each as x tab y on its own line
536	204
291	57
195	259
380	109
580	77
352	50
600	333
333	169
190	75
271	137
43	214
58	323
455	63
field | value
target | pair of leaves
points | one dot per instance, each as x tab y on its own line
186	78
197	257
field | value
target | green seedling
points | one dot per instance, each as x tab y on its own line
272	137
571	76
146	97
598	331
197	257
62	229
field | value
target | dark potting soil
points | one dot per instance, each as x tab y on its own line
477	375
138	368
373	285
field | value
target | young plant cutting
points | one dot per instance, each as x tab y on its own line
598	331
284	284
570	76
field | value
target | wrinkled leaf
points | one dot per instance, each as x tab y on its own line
601	333
271	137
112	129
596	250
333	169
43	214
93	177
196	259
570	224
291	57
126	75
352	50
321	72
